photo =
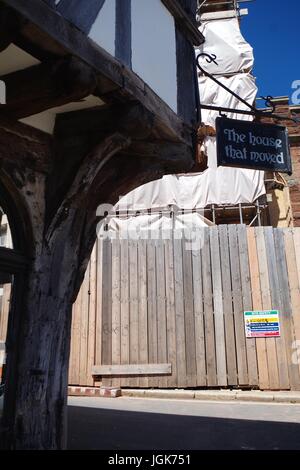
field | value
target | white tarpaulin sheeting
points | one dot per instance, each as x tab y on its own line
217	185
134	226
223	39
224	185
234	56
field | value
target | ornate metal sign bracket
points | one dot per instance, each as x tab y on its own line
252	110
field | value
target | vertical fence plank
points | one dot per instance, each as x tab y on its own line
162	353
71	380
267	305
170	311
293	280
116	306
208	313
228	306
282	359
247	302
75	363
179	312
287	317
152	311
5	311
296	237
243	378
143	308
133	314
261	347
106	308
92	317
125	353
199	317
191	368
99	277
84	320
218	307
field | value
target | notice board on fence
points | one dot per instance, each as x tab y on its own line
262	324
252	145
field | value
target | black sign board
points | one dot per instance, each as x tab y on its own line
245	144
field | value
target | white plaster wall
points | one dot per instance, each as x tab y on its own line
13	59
103	30
154	48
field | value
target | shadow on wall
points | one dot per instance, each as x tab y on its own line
99	429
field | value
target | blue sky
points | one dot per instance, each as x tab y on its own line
272	28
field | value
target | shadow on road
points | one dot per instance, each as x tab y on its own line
103	429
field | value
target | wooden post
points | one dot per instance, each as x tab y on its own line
39	327
54	213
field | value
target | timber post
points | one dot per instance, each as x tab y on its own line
51	184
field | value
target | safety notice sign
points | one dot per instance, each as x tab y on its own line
262	324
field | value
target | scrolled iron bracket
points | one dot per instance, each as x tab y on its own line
212	58
269	102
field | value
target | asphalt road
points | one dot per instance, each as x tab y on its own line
153	424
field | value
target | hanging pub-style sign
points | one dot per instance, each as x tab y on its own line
245	144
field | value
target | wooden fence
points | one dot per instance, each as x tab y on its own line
146	302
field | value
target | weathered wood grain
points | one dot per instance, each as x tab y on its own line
179	314
218	306
267	305
116	306
132	369
243	377
162	351
170	311
282	359
210	339
134	313
261	348
143	308
247	302
228	306
199	317
287	317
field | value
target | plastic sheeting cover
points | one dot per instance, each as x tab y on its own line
224	39
217	185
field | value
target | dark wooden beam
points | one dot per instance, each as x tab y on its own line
161	151
123	31
131	118
187	83
38	88
49	30
24	146
10	23
80	12
185	21
11	261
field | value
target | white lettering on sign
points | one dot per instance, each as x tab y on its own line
234	136
267	157
265	141
254	140
231	152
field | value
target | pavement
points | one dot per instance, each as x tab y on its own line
217	395
131	423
